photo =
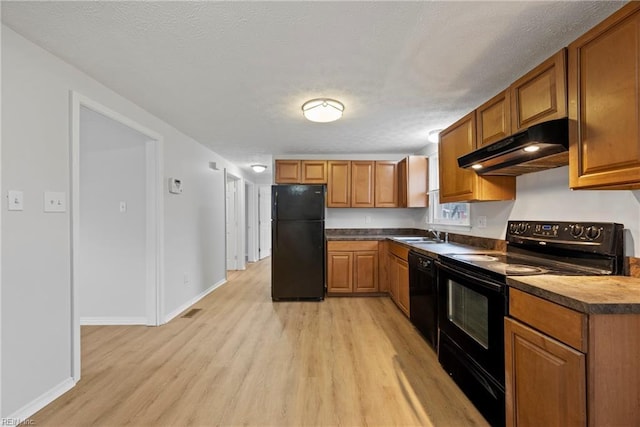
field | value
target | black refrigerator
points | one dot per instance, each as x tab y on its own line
297	242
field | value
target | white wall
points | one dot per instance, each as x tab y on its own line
112	272
36	311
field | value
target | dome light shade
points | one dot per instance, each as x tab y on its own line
259	168
322	110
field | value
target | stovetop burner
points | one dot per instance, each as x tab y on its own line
561	248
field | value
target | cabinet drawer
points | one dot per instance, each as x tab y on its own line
399	251
561	323
364	245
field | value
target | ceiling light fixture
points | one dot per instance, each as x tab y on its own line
259	168
434	136
531	148
322	110
477	166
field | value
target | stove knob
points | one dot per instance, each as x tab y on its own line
522	227
513	228
576	230
592	233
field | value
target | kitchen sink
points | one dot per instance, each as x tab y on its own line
417	239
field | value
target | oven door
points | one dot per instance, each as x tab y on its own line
471	315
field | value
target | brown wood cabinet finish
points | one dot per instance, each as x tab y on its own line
494	119
604	104
386	184
362	184
542	386
352	267
314	172
545	380
413	182
288	172
338	184
340	272
398	270
461	185
541	94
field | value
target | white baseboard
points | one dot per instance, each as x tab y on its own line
113	321
40	402
192	301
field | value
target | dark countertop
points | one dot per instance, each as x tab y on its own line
586	294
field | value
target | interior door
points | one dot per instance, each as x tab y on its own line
232	225
264	215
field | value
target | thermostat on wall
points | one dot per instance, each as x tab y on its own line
175	186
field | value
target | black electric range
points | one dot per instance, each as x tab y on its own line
473	296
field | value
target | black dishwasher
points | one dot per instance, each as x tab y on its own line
423	297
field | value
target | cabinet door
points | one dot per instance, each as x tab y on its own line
403	285
383	266
314	172
365	271
545	380
393	277
362	184
604	104
457	184
339	272
541	94
338	184
417	182
386	184
288	172
402	183
494	119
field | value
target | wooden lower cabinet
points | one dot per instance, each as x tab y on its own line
398	271
352	267
566	368
545	379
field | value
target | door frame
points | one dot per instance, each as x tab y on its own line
155	218
238	216
251	218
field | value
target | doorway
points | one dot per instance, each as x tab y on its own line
145	200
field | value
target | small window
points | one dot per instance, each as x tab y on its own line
448	213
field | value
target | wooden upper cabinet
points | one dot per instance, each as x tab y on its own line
314	172
494	119
461	185
413	182
541	94
362	184
604	104
456	184
386	184
338	184
288	172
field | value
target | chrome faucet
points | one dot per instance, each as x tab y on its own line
435	233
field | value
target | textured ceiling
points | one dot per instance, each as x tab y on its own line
233	75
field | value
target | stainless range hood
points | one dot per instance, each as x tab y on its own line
542	146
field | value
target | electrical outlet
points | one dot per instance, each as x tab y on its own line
123	207
187	281
55	201
482	222
367	219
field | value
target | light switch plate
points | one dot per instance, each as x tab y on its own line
482	221
55	201
16	200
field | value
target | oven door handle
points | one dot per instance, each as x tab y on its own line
487	284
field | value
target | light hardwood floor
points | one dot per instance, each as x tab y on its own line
244	360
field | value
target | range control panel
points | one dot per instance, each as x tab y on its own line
578	233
